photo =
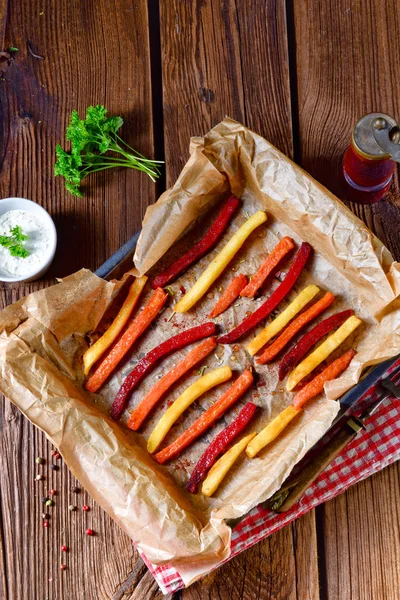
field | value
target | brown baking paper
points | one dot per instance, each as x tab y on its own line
43	337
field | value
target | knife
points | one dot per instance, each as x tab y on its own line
341	433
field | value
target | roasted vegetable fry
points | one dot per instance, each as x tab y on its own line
219	445
207	242
271	431
223	465
162	386
322	352
194	334
208	418
316	386
272	302
220	262
192	393
309	340
273	328
294	327
281	249
129	337
95	351
229	295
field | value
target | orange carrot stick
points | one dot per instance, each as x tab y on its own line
97	349
316	385
208	418
161	387
281	249
229	296
124	344
294	327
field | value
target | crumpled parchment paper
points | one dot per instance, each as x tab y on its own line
43	337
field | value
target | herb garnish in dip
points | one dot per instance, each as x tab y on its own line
24	243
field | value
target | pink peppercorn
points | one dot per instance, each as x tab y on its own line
45	523
85	507
64	548
63	567
53	452
89	531
57	455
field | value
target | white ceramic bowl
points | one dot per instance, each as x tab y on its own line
22	204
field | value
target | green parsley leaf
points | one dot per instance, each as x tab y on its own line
95	146
14	241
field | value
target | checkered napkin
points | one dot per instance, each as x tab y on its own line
372	449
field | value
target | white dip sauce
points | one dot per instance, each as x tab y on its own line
37	244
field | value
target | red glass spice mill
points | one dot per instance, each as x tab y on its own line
370	160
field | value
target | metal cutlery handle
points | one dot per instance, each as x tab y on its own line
315	467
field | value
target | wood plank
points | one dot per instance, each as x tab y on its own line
346	56
218	60
267	570
90	57
223	59
361	530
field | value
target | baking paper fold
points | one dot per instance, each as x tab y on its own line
43	337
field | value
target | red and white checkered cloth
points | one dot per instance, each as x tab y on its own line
374	448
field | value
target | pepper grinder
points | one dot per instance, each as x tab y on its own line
370	160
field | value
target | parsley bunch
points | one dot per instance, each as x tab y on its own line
95	146
14	242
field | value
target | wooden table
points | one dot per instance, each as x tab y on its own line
299	73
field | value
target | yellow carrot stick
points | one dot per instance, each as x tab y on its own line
95	351
194	391
322	352
223	465
219	263
271	431
283	319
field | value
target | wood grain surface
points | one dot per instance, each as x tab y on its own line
299	73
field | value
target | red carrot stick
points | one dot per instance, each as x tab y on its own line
229	295
125	343
276	297
206	243
294	328
309	339
208	418
219	445
316	385
281	249
161	387
194	334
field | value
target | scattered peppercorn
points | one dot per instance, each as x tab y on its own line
64	548
54	467
71	507
89	531
85	507
76	490
44	499
49	502
45	523
39	477
52	492
53	452
45	516
57	455
63	567
39	460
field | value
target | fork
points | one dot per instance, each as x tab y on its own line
345	430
